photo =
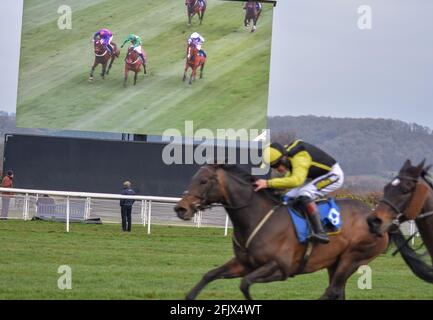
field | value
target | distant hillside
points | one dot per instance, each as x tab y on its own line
374	147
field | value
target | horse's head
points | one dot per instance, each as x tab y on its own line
403	197
226	184
131	56
250	7
204	189
192	50
190	3
99	46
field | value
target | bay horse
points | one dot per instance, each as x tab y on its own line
194	7
265	244
103	56
251	13
133	63
408	197
194	60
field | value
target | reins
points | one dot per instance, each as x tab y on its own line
400	215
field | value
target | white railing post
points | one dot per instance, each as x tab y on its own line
149	215
25	206
67	214
87	209
226	228
412	231
143	219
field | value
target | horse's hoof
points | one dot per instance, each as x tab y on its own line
91	79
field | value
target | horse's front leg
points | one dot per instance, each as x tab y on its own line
111	64
104	69
230	270
193	72
125	79
201	15
145	70
189	18
184	73
135	77
266	273
201	71
92	71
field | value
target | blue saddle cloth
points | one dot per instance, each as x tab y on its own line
202	53
329	215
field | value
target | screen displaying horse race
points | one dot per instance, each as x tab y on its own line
143	66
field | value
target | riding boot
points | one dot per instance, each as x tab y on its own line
317	232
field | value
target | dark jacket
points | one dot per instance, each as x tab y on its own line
127	202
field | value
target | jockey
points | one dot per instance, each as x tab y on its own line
310	174
136	45
197	40
106	37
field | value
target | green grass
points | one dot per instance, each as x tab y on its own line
108	264
54	67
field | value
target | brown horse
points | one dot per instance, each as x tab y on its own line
195	7
251	13
265	244
409	196
102	56
133	63
194	60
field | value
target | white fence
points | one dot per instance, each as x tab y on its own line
147	210
80	206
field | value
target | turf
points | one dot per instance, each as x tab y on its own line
54	91
108	264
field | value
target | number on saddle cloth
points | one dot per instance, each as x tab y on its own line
330	217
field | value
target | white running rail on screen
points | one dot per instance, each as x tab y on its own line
97	204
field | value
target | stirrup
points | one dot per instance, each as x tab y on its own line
315	237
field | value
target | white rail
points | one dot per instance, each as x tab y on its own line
144	201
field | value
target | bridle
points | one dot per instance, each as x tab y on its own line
127	60
398	209
100	55
204	195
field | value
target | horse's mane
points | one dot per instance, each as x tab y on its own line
248	178
427	175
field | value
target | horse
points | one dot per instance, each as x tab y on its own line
251	13
194	60
408	197
133	63
193	8
102	56
265	244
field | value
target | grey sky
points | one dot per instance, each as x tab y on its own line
322	64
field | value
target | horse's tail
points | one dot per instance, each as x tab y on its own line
413	259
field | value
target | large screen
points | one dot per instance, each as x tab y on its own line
227	44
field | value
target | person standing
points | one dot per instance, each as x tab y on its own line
7	182
126	206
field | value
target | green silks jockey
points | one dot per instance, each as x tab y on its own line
135	44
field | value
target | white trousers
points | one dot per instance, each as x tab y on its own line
321	186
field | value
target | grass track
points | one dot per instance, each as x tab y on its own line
54	91
107	264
